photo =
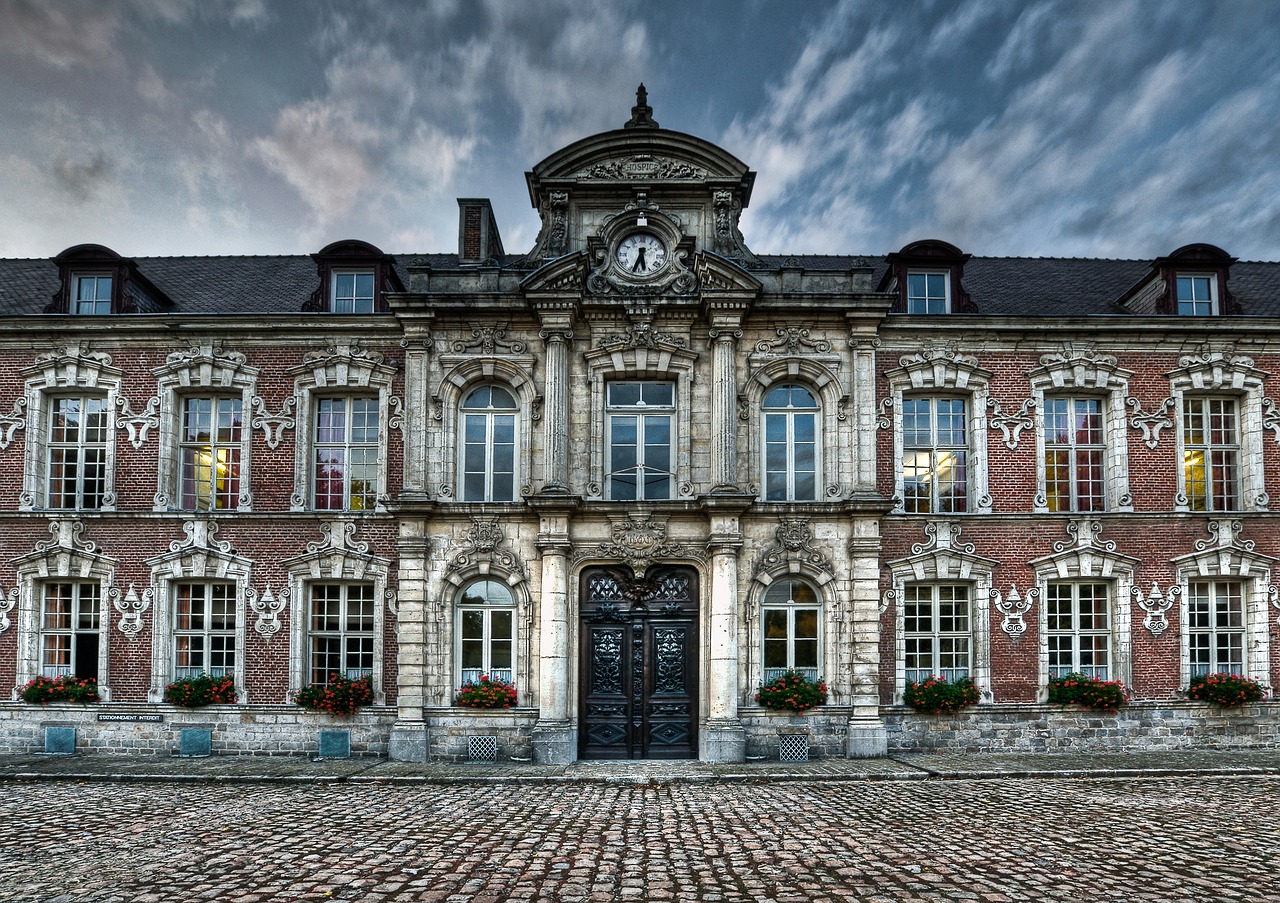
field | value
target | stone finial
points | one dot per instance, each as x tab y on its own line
641	113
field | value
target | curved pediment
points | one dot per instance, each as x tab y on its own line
640	155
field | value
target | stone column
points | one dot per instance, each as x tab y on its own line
864	408
417	360
723	739
866	730
555	736
724	409
555	395
409	741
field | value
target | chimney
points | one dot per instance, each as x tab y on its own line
478	238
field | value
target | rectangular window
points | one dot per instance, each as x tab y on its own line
1196	296
1215	628
91	295
77	452
487	643
346	454
936	630
935	450
641	417
1211	454
69	630
927	292
1074	452
341	631
352	292
204	630
210	453
790	642
1077	618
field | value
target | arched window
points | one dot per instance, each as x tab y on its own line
488	461
791	623
486	631
790	444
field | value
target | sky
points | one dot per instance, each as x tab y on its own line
1121	128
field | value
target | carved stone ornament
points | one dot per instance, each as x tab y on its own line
67	534
485	541
273	424
792	543
351	350
1273	596
1209	356
1156	605
885	418
727	240
1150	424
138	424
339	536
639	541
207	351
942	536
938	353
1014	608
1085	534
489	340
76	352
1012	425
793	340
1078	354
641	335
131	608
887	599
7	603
1270	419
643	167
395	418
202	535
1224	535
11	423
267	607
673	277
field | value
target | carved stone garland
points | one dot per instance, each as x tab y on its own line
639	541
792	542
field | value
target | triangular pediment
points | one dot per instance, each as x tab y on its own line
718	274
564	275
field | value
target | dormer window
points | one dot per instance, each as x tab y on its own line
927	292
1197	294
91	294
927	277
354	278
352	292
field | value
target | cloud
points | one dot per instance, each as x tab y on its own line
60	35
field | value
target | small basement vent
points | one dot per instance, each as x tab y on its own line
793	748
483	750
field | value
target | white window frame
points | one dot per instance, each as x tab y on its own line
488	417
355	299
461	674
1080	371
74	302
943	372
207	633
79	450
337	559
928	298
71	372
205	371
199	557
350	448
343	634
77	589
1214	596
1210	374
1230	559
344	370
790	606
1212	502
1211	279
944	559
937	451
639	412
936	634
1075	633
67	558
789	416
667	363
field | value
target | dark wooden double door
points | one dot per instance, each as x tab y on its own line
639	664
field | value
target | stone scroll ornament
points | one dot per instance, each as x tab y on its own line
1014	607
9	600
11	423
267	607
1156	605
131	608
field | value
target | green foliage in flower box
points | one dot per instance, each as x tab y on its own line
60	689
202	690
342	695
1090	692
486	693
792	691
937	695
1226	690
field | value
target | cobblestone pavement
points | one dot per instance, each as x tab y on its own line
1168	839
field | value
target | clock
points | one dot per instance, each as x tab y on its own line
641	253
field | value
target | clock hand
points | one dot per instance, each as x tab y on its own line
639	266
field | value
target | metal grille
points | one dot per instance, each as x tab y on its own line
793	748
482	749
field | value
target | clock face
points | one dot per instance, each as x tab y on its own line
641	253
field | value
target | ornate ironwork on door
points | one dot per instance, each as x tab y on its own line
639	665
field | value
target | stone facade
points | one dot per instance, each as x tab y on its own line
635	472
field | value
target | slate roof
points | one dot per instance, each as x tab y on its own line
1000	286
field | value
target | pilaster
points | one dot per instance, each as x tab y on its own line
409	741
866	735
724	402
555	736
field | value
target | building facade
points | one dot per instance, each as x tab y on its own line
636	472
